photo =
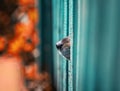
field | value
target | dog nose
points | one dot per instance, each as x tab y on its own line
59	46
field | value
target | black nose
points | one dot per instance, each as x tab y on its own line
29	40
59	46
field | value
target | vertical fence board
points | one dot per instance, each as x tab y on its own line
70	63
93	26
59	32
64	35
55	38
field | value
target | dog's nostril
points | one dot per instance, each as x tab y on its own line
59	46
29	40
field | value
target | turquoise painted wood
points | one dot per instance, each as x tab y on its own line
93	26
60	31
60	65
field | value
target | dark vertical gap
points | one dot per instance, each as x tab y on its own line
67	76
67	79
75	25
67	17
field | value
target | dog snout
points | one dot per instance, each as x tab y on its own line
59	46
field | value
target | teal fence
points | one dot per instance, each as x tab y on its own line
94	27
